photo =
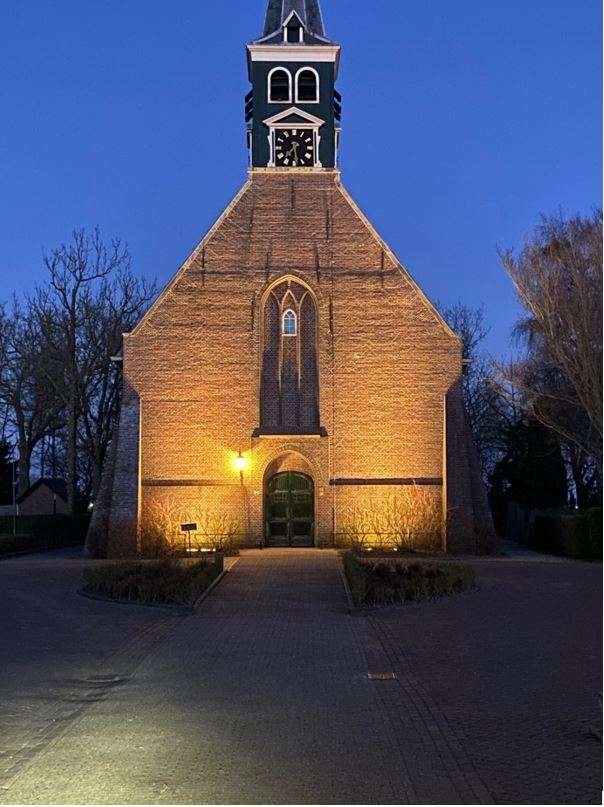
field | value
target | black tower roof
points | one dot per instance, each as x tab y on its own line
309	12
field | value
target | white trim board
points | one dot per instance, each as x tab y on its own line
295	53
308	120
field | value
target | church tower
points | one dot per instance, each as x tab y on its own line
292	385
293	110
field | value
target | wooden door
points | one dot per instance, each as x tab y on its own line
290	510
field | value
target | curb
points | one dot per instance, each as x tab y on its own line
211	587
352	608
177	610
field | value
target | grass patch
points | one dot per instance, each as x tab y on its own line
394	582
163	582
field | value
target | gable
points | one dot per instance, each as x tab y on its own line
49	486
291	221
293	115
393	259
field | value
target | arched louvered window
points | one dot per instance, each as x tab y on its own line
307	85
290	323
279	86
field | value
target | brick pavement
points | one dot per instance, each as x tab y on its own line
513	670
54	647
263	695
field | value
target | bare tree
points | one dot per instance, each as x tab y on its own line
558	280
469	324
487	411
59	388
32	410
119	304
65	309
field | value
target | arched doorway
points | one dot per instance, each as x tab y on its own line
290	510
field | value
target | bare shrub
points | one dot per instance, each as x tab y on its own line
395	582
161	529
410	519
355	531
215	531
164	581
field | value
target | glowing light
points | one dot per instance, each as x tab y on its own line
240	463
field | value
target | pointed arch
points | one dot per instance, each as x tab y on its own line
288	298
289	322
289	383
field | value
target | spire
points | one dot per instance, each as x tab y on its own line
309	12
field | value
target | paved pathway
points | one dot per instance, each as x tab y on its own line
54	648
263	695
515	669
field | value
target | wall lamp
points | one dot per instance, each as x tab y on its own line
241	464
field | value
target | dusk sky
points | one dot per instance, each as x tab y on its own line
462	123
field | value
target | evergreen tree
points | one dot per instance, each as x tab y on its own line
6	473
532	471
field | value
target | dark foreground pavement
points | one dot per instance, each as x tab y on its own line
264	695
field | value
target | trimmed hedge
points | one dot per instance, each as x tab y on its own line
37	533
169	582
576	535
396	582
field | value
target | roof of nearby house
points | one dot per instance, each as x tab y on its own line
57	486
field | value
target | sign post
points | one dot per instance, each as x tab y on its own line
186	530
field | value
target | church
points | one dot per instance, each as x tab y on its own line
292	381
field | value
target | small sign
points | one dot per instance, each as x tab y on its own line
188	527
381	676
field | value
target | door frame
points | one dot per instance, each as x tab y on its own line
267	481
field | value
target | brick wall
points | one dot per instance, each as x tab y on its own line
386	363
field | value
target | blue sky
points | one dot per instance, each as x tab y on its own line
462	123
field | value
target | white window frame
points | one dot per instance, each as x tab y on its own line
286	36
286	315
286	25
318	85
269	85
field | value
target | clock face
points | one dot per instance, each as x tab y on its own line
294	147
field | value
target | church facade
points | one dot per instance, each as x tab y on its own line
292	381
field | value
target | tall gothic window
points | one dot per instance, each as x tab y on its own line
289	390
